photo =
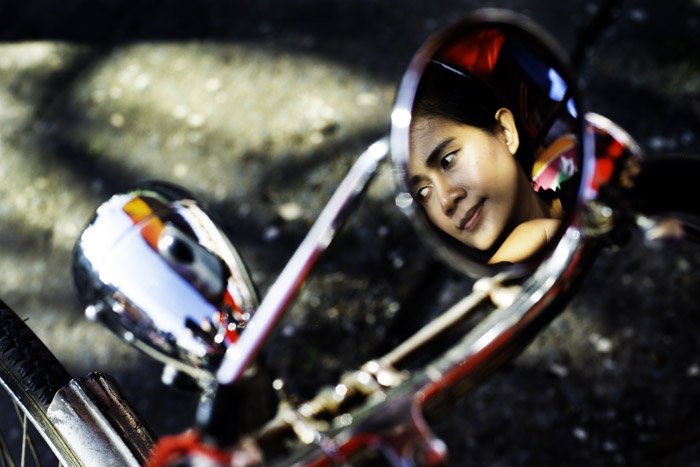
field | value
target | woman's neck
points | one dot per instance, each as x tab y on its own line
531	205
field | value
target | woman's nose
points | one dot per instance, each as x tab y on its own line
449	197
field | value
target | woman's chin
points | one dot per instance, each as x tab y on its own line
483	241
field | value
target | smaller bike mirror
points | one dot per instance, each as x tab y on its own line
486	143
156	269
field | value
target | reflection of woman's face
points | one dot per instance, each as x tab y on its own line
467	179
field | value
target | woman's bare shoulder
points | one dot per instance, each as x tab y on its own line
525	240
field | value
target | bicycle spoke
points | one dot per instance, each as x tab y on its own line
30	376
32	450
27	442
5	456
22	456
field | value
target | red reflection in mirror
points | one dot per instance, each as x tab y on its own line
478	53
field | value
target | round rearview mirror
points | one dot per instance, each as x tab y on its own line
486	139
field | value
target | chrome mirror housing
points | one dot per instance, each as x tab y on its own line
488	144
155	268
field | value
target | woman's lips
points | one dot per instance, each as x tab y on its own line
471	217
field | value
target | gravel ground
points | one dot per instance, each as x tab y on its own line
259	108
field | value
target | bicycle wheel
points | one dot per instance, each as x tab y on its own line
30	375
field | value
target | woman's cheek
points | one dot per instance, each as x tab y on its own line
493	223
436	217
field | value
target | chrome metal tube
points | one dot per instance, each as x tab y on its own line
323	231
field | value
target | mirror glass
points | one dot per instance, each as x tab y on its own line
486	143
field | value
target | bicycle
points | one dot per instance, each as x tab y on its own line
379	153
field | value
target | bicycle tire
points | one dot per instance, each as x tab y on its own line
31	375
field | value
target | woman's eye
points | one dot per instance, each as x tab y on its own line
447	160
422	193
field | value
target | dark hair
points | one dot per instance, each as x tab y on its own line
454	94
445	91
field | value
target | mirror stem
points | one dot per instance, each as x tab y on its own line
285	287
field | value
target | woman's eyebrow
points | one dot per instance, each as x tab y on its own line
437	152
432	158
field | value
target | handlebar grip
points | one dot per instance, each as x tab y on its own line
669	183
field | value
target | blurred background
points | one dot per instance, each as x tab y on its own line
259	108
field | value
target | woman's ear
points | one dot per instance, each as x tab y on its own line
506	124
